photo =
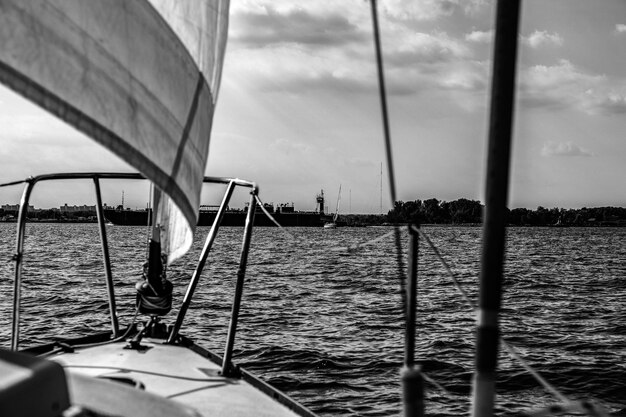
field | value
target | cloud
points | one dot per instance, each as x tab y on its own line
359	10
279	48
478	36
535	40
566	86
266	26
36	128
428	10
620	28
468	76
564	73
292	70
421	48
542	38
414	61
563	149
610	103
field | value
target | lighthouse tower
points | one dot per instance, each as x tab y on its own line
320	202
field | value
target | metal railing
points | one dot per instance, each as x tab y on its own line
231	183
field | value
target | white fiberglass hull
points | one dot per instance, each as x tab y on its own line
164	380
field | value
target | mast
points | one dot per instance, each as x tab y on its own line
155	264
381	188
497	180
337	208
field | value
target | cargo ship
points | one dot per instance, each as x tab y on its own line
285	215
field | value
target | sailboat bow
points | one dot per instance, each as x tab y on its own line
140	78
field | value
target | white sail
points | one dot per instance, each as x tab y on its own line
140	77
337	209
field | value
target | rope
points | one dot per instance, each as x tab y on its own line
267	213
510	348
436	384
356	247
553	390
118	339
154	302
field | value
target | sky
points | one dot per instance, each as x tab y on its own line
298	108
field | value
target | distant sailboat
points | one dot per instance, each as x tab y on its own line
333	224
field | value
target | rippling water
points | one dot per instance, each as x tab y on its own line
326	326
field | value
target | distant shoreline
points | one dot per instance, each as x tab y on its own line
442	225
432	212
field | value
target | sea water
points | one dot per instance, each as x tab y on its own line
326	325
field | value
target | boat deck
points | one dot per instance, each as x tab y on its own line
168	371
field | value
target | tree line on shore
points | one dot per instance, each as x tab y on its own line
464	211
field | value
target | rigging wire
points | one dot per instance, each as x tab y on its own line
351	248
267	213
388	151
569	404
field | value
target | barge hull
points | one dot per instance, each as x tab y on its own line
296	219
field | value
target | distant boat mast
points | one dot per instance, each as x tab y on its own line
337	209
381	188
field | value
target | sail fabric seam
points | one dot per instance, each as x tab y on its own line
134	81
191	117
219	45
172	32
